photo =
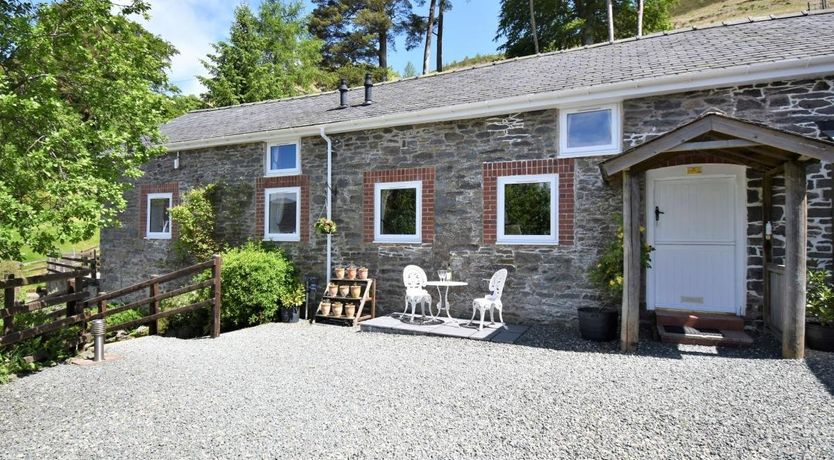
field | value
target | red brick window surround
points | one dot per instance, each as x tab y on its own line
301	182
425	175
146	189
563	167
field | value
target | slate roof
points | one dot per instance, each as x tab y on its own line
658	55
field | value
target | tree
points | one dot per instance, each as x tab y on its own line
358	33
415	26
268	56
562	24
533	27
409	70
82	96
429	32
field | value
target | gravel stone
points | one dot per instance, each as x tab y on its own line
301	391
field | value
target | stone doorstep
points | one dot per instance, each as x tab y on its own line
85	362
693	336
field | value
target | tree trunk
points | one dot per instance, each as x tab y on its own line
383	51
610	20
586	12
640	18
429	28
533	27
441	6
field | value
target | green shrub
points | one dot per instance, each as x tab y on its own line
196	219
255	280
46	349
124	317
607	273
820	297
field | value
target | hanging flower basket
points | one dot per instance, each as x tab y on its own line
325	226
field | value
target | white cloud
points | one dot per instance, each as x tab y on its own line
191	26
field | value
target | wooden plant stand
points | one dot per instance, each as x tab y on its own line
364	311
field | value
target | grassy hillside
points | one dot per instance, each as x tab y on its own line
702	12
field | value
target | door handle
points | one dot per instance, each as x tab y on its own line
657	213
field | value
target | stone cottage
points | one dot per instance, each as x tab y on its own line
501	166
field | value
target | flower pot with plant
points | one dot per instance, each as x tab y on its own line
336	308
362	273
350	309
339	271
819	325
325	226
324	308
600	323
356	291
344	290
332	289
351	272
289	301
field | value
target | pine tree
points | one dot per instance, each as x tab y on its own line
410	70
267	56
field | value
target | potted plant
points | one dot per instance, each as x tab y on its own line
351	272
344	290
350	309
819	326
332	289
362	273
355	291
336	308
600	323
289	302
324	307
339	271
325	226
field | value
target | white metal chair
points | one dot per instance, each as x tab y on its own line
415	281
491	301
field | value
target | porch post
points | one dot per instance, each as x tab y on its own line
630	315
796	236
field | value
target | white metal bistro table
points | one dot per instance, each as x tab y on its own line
443	303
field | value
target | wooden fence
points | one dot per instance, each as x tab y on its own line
65	262
70	307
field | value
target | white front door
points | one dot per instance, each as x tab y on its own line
696	218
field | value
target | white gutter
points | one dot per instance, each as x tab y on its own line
611	92
328	198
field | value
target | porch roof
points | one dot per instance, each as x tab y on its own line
725	139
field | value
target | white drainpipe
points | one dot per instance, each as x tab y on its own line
328	199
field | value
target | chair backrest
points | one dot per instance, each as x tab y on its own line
496	283
414	277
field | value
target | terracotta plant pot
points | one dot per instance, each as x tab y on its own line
362	273
350	310
336	309
356	291
324	308
344	290
339	272
332	289
351	273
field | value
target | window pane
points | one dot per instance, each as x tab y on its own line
282	212
527	209
588	129
399	211
282	156
160	222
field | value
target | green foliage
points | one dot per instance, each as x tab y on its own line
562	25
474	60
124	316
527	209
196	219
270	55
820	297
325	226
607	274
409	71
399	211
44	350
82	95
255	280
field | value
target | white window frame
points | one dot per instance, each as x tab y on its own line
553	238
269	172
295	236
411	239
616	133
158	235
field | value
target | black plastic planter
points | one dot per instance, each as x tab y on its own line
819	337
597	325
289	315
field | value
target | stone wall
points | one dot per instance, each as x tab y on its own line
546	283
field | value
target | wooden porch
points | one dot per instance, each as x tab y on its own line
717	138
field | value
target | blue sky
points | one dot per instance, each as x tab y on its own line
192	25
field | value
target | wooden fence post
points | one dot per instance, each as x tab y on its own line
8	302
102	304
215	293
153	307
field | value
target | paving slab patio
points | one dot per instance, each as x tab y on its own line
458	328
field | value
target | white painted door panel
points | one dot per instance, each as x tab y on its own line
695	265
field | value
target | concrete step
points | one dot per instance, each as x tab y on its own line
703	336
699	320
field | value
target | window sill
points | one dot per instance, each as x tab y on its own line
157	237
527	243
283	239
401	242
591	153
288	172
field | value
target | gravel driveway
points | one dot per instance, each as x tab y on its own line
300	391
